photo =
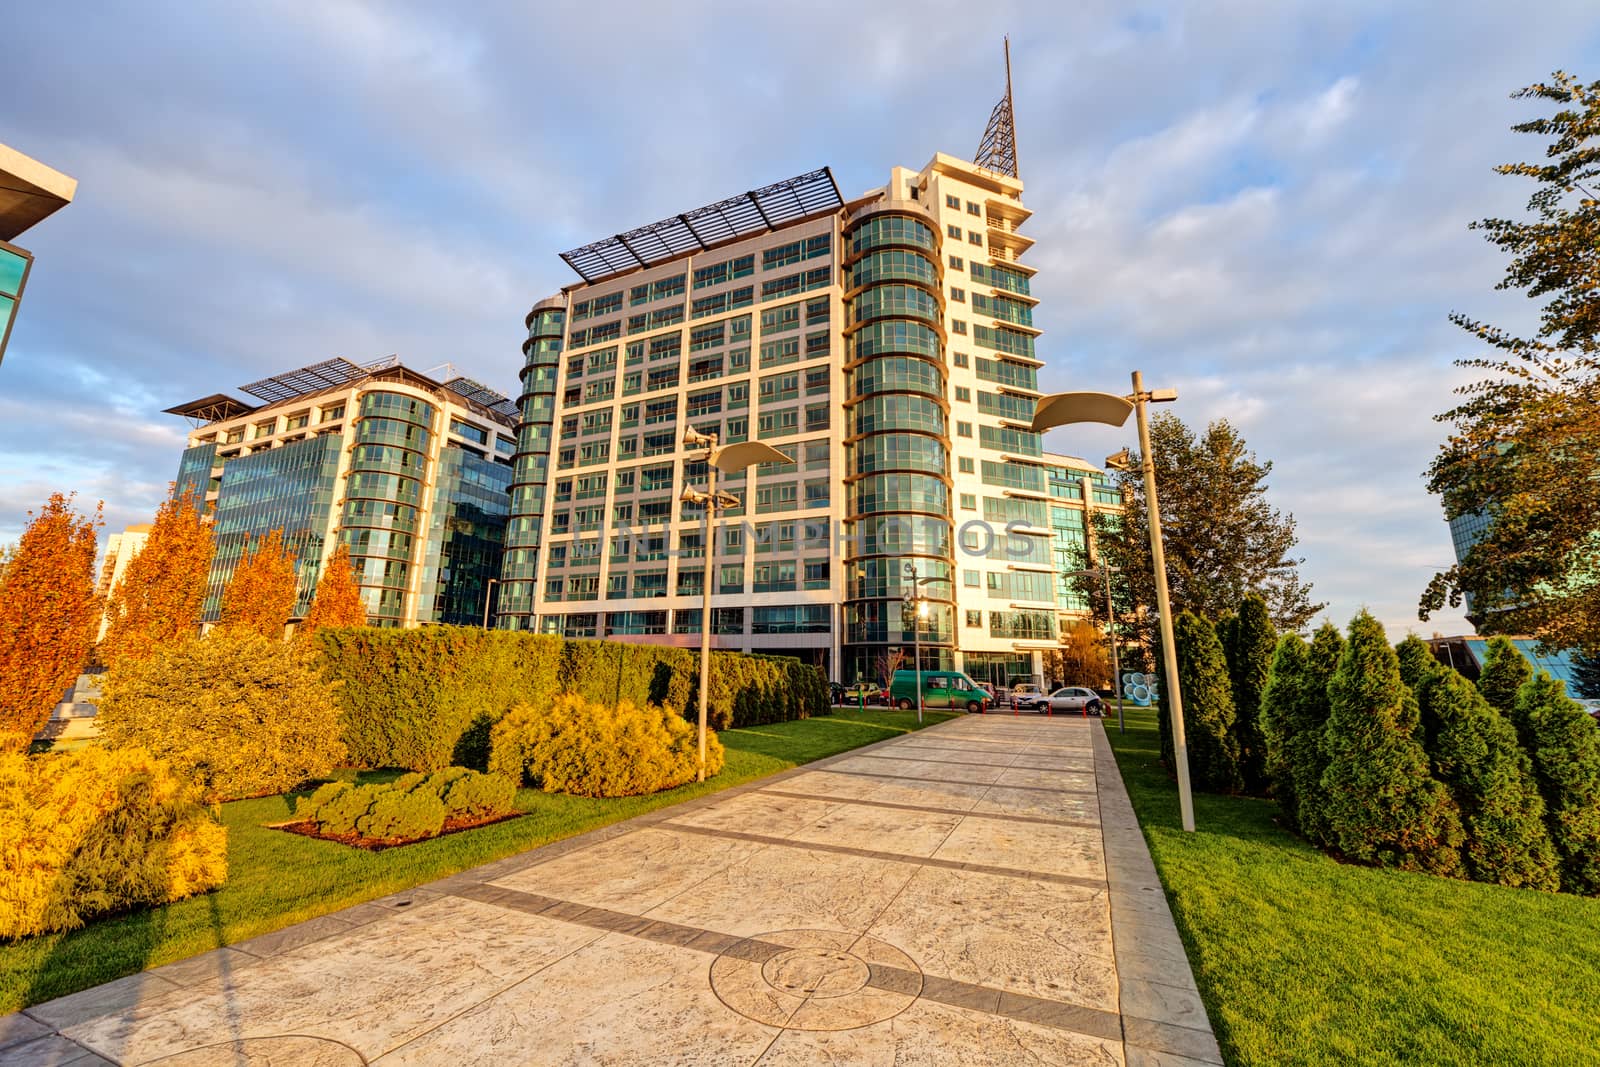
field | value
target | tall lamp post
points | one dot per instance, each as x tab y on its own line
1063	409
917	609
730	459
488	598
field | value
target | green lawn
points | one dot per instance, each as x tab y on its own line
276	878
1305	960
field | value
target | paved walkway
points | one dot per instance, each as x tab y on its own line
978	892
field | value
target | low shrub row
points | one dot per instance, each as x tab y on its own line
427	698
96	831
412	807
590	749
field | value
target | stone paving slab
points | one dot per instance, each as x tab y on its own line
978	892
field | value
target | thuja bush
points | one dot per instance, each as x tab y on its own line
238	713
427	698
1309	757
412	807
1383	806
1474	752
1281	718
1207	706
1416	661
96	831
1251	642
1505	671
1564	746
578	746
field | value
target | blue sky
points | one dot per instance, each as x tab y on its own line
1263	204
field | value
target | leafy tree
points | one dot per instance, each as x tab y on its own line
1586	676
1281	718
1475	754
1082	658
48	617
1525	442
1249	662
338	599
1504	672
1207	706
1222	538
1565	747
242	714
1416	661
1383	806
261	594
1308	757
164	589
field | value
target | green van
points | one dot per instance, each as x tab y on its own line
940	689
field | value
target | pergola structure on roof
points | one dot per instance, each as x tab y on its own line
482	394
316	377
209	409
758	211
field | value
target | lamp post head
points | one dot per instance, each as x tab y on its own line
1120	461
693	438
1063	409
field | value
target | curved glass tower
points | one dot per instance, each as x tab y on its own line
898	510
541	366
383	497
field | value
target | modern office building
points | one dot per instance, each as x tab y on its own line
120	550
411	472
29	193
885	344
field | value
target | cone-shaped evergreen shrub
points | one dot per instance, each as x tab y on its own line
1307	758
1207	706
1383	806
1565	750
1252	641
1416	661
1281	716
1476	755
1505	671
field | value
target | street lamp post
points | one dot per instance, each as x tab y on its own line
488	598
917	609
727	458
1062	409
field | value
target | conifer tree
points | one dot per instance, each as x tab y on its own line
1253	640
1307	757
338	599
163	591
1505	671
261	594
1416	661
48	617
1565	748
1281	716
1383	806
1476	755
1207	706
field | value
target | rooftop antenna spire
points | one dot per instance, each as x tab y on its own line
998	149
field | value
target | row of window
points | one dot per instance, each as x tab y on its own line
786	576
787	619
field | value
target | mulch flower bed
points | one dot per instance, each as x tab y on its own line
307	828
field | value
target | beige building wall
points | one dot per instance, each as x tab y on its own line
120	550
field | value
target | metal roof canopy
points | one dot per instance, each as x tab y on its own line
213	408
758	211
316	377
482	394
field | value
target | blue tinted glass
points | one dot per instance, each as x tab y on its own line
11	268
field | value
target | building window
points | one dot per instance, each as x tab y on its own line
966	464
957	326
961	359
958	294
297	421
952	201
953	231
731	578
957	263
974	237
974	618
264	429
969	501
963	394
963	429
974	209
971	579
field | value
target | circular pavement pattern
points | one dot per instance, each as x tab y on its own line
815	979
281	1051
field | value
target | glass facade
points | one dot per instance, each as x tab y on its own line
466	536
898	499
14	266
518	591
194	471
383	494
290	488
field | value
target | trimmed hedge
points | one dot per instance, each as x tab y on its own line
96	831
427	698
589	749
411	807
1207	706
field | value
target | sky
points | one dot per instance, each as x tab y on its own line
1261	204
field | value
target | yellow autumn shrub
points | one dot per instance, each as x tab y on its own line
589	749
95	831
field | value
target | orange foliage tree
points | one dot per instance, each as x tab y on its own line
338	599
48	616
261	594
164	589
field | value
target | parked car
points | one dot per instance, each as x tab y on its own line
1025	696
1072	698
860	693
939	689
